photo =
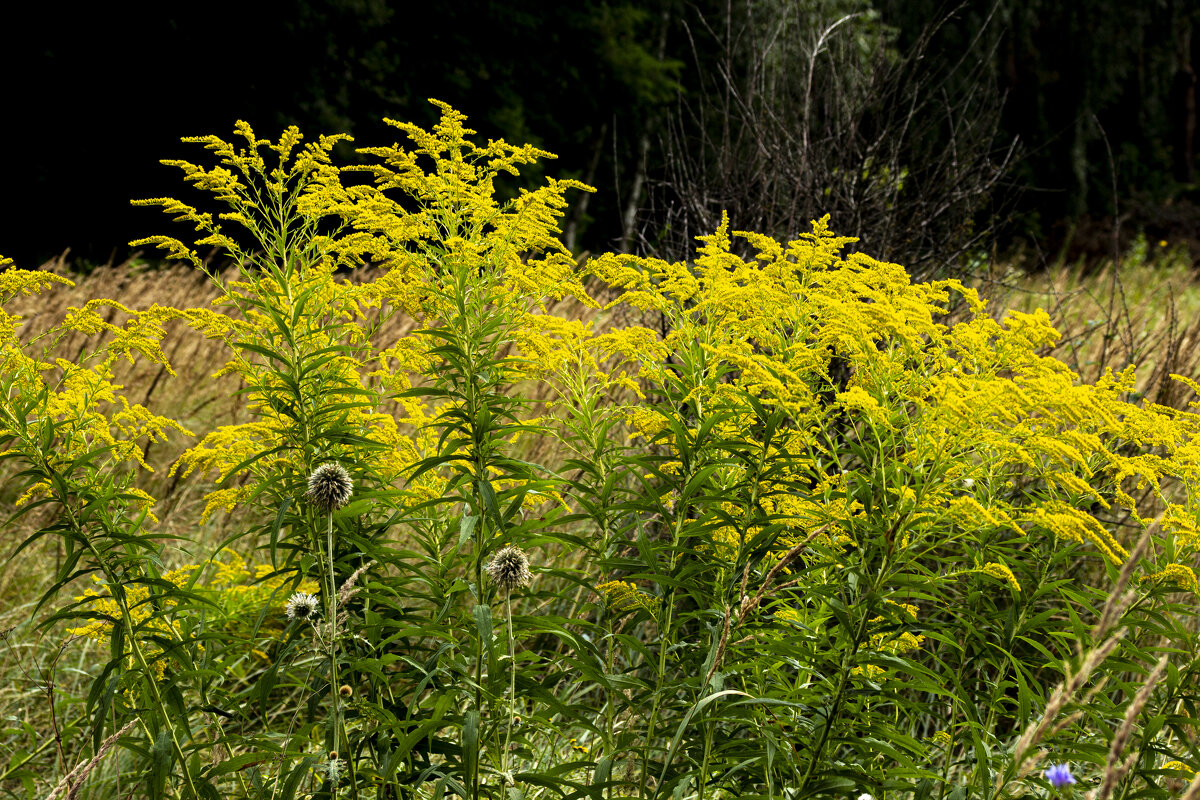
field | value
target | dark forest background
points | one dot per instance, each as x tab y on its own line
937	133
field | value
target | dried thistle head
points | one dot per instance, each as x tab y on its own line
509	568
329	487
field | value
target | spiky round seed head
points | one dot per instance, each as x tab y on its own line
509	568
302	605
329	487
345	690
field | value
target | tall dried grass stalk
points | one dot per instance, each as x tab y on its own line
1116	768
69	786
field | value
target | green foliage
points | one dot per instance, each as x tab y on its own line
815	538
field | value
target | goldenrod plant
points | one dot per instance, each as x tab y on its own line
773	523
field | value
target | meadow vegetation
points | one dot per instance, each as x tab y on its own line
462	516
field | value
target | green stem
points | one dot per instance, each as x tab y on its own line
480	528
512	681
334	689
610	717
664	636
843	676
118	593
702	777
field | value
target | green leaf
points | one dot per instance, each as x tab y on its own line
488	495
262	350
466	526
602	773
683	726
294	778
483	624
470	739
265	685
161	757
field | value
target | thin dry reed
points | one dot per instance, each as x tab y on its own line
69	786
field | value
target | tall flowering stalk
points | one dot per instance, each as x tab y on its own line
80	446
330	489
508	570
475	271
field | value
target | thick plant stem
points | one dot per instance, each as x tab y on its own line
660	676
480	527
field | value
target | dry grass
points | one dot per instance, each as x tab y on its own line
1142	312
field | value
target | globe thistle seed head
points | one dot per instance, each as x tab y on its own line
329	487
509	568
302	605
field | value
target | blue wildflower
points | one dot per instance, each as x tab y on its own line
1059	775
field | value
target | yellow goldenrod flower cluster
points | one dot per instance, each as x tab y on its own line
1178	575
238	585
69	417
149	612
974	397
942	739
1001	572
623	596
